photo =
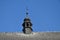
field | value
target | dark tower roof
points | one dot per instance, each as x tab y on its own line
26	19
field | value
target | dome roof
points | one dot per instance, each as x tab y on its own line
26	19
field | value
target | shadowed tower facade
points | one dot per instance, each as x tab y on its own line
27	25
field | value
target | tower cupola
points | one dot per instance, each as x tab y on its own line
27	25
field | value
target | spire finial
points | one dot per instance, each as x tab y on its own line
26	12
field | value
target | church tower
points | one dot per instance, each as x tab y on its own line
27	25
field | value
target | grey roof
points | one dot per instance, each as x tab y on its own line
32	36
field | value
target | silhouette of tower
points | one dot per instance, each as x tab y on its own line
27	25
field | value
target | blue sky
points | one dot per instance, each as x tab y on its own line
44	14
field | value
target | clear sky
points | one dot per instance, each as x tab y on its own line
44	14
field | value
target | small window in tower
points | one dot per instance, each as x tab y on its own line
27	25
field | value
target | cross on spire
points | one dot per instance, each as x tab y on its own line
26	12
